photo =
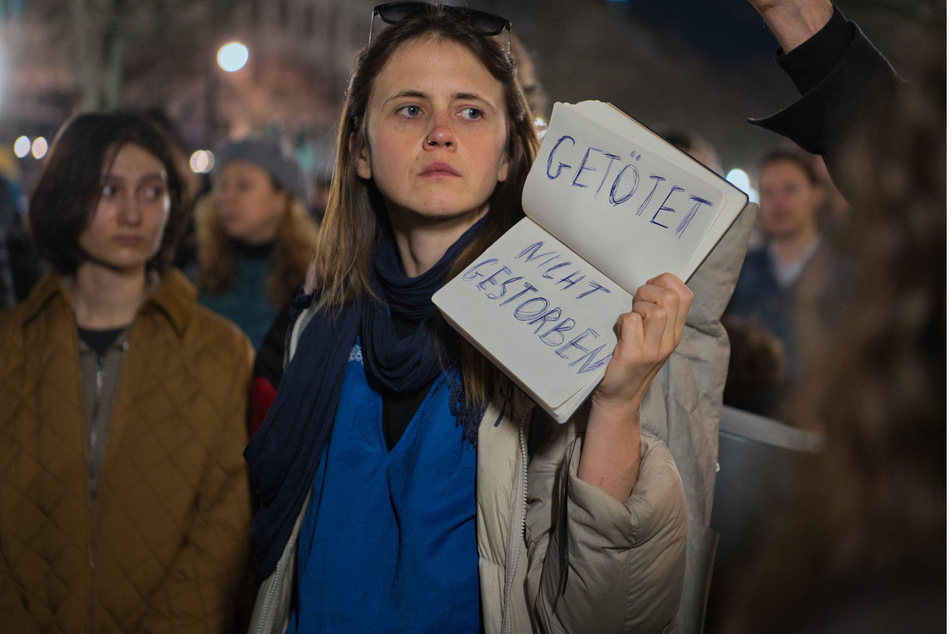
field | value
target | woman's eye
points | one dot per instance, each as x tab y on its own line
411	111
154	193
472	113
108	191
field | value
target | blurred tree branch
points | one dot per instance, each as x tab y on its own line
102	31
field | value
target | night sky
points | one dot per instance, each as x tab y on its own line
728	31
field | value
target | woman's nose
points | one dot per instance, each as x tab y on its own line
129	211
440	136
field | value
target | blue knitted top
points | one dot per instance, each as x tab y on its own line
388	541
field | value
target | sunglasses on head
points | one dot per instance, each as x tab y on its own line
481	22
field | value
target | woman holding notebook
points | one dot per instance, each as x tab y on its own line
405	484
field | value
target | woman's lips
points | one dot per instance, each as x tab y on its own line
129	241
439	169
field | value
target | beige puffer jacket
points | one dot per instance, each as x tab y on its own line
625	562
586	562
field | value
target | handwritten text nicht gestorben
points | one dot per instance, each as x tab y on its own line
498	283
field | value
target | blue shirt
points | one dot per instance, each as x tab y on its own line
388	541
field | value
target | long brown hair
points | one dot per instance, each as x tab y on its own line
355	218
290	256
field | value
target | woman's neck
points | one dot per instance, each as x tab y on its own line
258	251
422	243
105	298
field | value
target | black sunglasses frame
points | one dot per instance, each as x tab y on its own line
482	22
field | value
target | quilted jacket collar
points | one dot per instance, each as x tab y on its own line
45	291
174	298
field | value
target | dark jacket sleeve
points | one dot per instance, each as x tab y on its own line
843	80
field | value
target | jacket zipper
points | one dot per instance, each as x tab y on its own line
517	521
90	547
264	618
288	558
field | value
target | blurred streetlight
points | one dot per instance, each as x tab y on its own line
741	180
202	161
24	147
233	56
40	146
21	147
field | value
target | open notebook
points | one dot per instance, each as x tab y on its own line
609	205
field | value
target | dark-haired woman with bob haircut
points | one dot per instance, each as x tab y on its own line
124	500
405	484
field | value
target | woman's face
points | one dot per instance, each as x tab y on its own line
129	222
436	130
249	206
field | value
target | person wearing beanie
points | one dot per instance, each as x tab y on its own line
254	234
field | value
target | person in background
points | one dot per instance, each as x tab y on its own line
322	178
690	142
794	280
428	494
20	268
8	290
756	365
836	214
862	545
255	234
124	499
536	96
756	356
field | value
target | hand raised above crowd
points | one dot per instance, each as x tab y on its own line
793	21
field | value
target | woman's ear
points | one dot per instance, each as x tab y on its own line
364	167
504	165
504	168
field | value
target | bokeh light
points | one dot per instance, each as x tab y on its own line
202	161
21	147
233	56
741	180
40	146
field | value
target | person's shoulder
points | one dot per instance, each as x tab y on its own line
758	254
43	291
39	326
201	327
218	329
11	332
756	265
217	349
10	316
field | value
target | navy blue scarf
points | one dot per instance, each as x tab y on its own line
284	454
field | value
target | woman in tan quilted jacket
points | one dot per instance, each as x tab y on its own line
124	501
